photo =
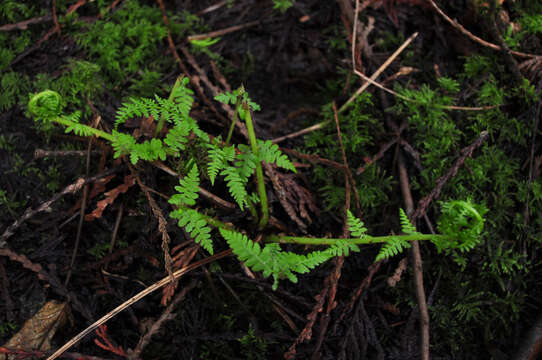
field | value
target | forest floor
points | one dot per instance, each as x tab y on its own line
380	105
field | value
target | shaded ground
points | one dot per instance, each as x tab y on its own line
295	64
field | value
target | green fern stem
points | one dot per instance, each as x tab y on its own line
365	240
233	121
259	171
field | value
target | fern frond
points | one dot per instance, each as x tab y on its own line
236	185
251	252
227	98
391	248
342	248
183	98
406	225
271	154
150	150
45	105
176	138
270	259
462	222
123	144
187	192
355	225
245	161
195	224
75	126
219	158
289	262
136	107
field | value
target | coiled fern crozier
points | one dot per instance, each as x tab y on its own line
460	224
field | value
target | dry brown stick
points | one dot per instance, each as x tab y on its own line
159	284
349	179
41	153
166	315
83	208
509	60
301	132
215	91
313	158
23	25
46	206
332	281
473	37
379	71
396	94
55	19
385	147
213	7
417	264
218	75
209	196
306	333
373	268
52	279
221	32
358	92
466	152
162	224
184	69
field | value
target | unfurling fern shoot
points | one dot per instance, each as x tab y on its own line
461	226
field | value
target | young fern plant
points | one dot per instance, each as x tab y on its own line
460	225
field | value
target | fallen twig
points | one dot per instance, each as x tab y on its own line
473	37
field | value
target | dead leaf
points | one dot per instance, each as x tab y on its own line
38	331
110	196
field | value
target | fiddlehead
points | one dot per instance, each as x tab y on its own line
461	222
46	105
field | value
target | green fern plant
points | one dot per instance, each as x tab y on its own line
461	222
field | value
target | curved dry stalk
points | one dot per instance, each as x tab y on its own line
157	285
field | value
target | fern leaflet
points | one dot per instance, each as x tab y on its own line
246	161
123	144
271	154
189	219
270	259
236	185
195	224
136	107
355	225
342	248
218	159
406	225
187	192
391	248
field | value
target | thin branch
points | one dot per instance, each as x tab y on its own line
379	71
417	265
46	206
159	284
473	37
166	315
23	25
221	32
